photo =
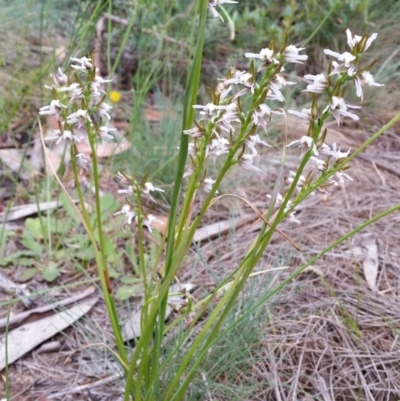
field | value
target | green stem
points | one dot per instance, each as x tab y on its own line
321	24
79	191
98	207
264	238
144	366
186	205
141	247
7	384
125	38
188	114
101	259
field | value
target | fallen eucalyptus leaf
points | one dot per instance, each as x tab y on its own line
220	227
12	158
21	211
105	149
24	338
20	317
366	249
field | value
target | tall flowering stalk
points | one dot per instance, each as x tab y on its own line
82	114
232	126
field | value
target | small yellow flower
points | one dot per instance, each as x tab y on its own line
115	96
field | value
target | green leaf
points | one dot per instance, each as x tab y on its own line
85	253
58	226
130	252
39	231
129	280
50	271
110	250
80	240
27	262
108	205
113	273
27	275
69	209
61	254
17	256
29	242
34	228
126	291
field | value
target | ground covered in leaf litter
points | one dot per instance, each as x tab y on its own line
331	334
